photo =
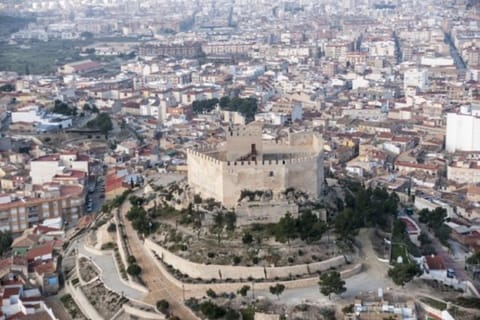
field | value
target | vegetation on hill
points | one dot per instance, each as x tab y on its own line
474	259
331	283
404	272
245	106
365	208
307	227
6	240
101	122
61	107
435	220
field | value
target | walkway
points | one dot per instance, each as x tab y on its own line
159	287
109	274
373	276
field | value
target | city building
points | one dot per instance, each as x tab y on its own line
463	130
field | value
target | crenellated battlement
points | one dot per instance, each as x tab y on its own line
297	159
245	161
201	154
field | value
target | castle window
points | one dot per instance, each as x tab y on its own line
270	174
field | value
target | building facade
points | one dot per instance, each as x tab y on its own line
463	131
18	214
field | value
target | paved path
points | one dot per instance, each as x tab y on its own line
109	275
57	307
159	287
373	276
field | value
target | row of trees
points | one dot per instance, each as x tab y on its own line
102	122
246	106
142	222
223	221
202	106
435	220
366	208
61	107
90	108
307	227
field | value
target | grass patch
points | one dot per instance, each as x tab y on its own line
401	244
440	305
39	57
71	307
469	302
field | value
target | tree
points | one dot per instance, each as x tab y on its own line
346	223
277	289
309	227
7	87
232	314
212	294
163	305
61	107
134	269
474	258
102	122
403	273
424	239
131	260
331	282
247	238
6	240
211	310
218	225
112	227
243	290
230	220
285	229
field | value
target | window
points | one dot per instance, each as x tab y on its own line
270	174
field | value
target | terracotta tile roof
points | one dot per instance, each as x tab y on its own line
114	183
11	291
39	251
51	157
48	267
40	229
71	190
435	263
5	263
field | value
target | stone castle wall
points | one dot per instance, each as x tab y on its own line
205	175
299	165
277	175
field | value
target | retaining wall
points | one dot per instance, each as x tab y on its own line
198	290
219	272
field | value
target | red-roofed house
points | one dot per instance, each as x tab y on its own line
435	268
114	186
41	253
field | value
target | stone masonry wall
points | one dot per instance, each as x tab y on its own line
208	272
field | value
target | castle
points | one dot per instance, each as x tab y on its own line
246	162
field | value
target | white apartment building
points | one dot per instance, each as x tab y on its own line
463	130
415	78
43	169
